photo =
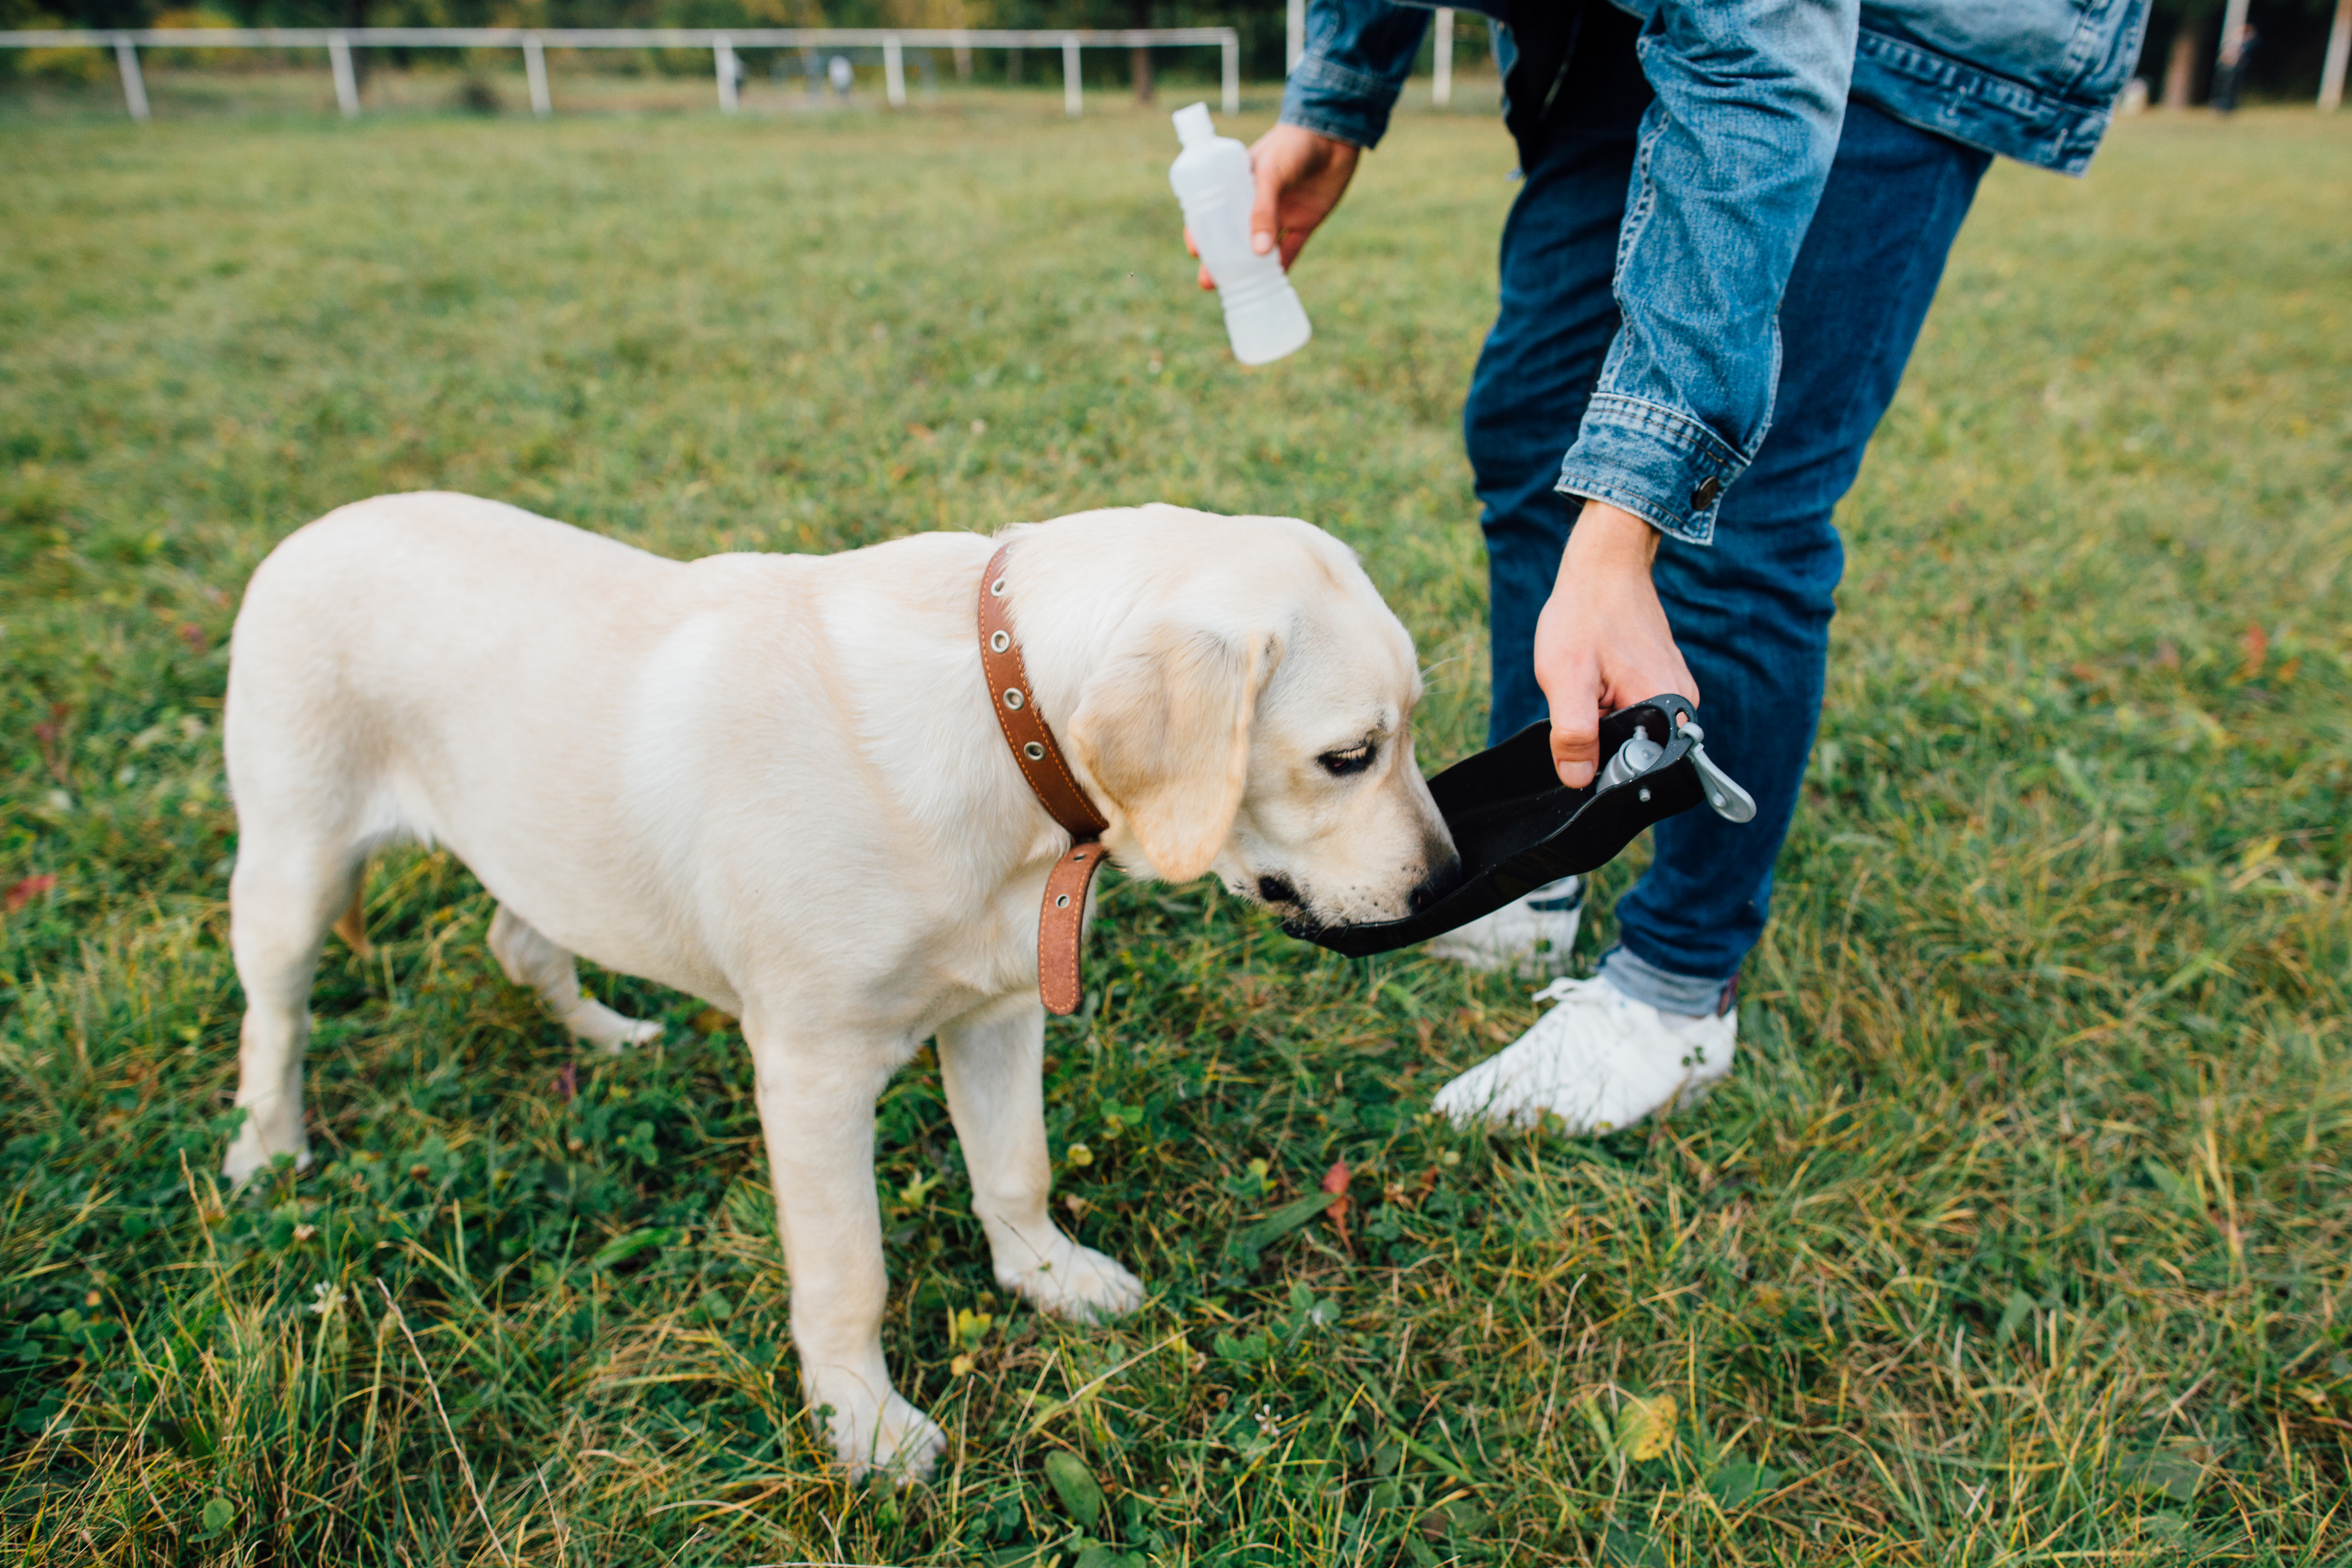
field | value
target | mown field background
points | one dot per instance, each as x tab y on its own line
2023	1233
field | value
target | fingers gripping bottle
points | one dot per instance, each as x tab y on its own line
1212	181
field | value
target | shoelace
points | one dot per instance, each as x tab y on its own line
1565	989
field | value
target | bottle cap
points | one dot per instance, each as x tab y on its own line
1194	125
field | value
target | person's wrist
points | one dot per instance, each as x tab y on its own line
1608	541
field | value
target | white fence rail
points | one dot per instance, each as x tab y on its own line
722	43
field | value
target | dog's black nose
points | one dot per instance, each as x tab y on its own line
1445	875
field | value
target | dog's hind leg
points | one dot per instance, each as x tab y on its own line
530	959
284	893
993	1062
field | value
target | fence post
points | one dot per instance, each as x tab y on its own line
346	81
134	86
2339	45
722	60
1231	49
1071	103
534	66
894	73
962	46
1441	89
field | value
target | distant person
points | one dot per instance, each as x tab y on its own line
1733	219
2230	72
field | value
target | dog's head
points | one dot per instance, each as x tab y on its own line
1254	717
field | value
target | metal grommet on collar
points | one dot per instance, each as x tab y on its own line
1001	641
1034	751
1013	697
1063	902
997	587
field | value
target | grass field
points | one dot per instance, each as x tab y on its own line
2023	1235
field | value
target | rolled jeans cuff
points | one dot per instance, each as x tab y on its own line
1688	995
1664	467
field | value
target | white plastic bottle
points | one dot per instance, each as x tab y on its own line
1212	181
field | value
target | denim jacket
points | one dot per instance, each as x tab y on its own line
1731	158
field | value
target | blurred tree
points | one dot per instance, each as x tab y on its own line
2186	36
2192	22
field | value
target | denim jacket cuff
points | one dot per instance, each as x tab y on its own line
1329	99
1664	467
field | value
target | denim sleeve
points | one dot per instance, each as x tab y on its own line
1731	159
1359	53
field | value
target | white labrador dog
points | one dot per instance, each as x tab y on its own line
776	783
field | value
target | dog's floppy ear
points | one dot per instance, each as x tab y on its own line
1165	731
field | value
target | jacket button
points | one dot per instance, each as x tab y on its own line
1704	497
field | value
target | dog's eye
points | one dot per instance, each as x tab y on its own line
1354	760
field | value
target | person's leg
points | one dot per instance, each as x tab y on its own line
1751	613
1535	375
1536	369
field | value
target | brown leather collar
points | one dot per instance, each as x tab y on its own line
1060	923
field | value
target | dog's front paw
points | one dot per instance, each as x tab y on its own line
889	1436
250	1154
1074	1281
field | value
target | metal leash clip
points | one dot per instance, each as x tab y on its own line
1516	826
1639	754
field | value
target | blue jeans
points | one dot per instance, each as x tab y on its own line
1751	612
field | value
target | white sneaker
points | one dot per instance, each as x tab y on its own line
1531	936
1599	1060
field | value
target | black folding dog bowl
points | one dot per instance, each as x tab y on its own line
1516	826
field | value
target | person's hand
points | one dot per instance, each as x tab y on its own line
1301	176
1602	642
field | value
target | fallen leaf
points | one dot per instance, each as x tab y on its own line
1075	1486
1645	1427
2255	643
26	891
1335	1181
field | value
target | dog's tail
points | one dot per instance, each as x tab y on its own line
352	926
